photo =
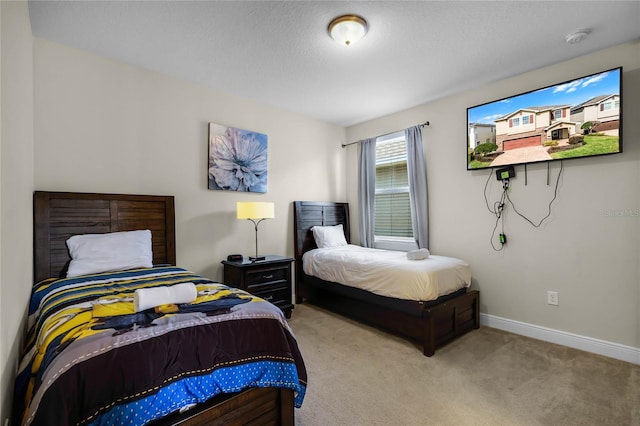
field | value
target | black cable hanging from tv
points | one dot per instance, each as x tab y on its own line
555	195
498	206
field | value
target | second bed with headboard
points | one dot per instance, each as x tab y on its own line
433	323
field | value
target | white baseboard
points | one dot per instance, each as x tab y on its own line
589	344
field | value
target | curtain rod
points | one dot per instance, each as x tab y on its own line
425	124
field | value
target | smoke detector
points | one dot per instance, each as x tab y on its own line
577	36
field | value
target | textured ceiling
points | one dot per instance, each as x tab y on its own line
279	53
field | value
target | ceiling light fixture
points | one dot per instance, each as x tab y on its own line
348	29
577	36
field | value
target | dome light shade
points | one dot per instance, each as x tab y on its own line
348	29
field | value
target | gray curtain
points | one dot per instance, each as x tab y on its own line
367	191
417	170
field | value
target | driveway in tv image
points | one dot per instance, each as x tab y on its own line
522	155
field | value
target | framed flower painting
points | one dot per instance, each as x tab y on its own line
237	159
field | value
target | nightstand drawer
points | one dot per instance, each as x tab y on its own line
279	298
266	276
268	286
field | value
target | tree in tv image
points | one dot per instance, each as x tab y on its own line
577	118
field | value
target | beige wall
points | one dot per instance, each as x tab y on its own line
16	183
103	126
586	251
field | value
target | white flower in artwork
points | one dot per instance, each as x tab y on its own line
237	159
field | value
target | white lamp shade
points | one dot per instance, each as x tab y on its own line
255	210
348	29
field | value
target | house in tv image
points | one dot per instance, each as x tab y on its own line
481	133
577	118
533	126
602	111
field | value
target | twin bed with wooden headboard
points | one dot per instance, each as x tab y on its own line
431	322
90	359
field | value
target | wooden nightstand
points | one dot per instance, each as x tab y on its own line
269	279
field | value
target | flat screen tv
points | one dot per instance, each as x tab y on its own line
573	119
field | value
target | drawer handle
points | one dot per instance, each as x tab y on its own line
267	277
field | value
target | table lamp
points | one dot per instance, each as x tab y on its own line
256	212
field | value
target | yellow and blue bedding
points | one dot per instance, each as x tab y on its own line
91	359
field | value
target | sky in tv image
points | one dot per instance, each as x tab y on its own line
572	93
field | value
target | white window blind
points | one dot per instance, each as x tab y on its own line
392	211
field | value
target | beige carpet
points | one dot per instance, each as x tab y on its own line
359	375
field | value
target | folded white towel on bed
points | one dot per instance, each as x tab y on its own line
146	298
419	254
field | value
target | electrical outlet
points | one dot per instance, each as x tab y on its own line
552	298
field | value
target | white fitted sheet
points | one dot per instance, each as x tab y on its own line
388	273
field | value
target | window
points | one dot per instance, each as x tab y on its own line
557	114
525	119
516	121
392	214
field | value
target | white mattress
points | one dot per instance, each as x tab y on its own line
388	273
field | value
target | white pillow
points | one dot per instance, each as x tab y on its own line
117	251
329	236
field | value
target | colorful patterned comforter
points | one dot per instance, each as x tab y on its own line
91	359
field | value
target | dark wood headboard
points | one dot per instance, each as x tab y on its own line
307	214
60	215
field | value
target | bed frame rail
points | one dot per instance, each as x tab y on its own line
450	319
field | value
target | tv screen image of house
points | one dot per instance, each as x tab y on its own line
573	119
